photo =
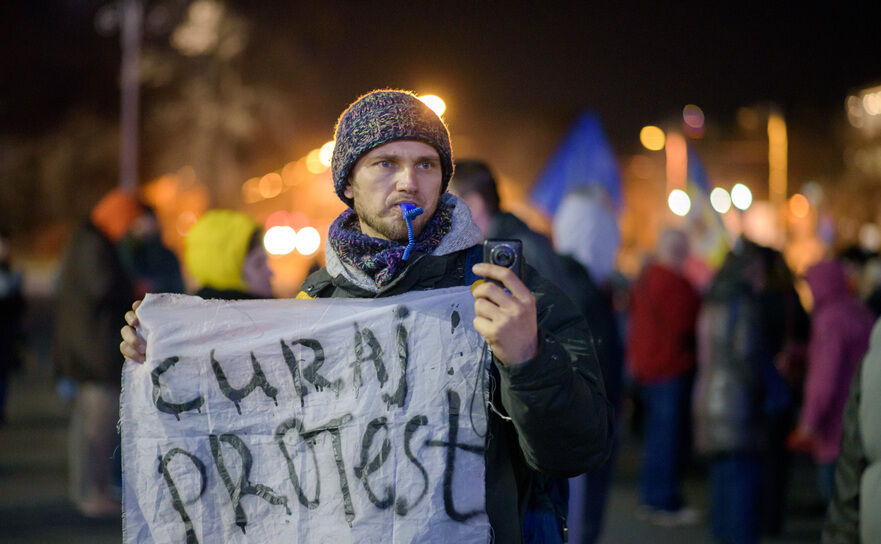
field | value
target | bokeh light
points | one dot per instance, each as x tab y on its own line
280	240
693	121
870	237
278	218
679	202
314	163
435	103
652	138
270	185
308	240
251	191
799	206
325	153
720	200
741	196
290	174
693	116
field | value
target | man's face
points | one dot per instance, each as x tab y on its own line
386	176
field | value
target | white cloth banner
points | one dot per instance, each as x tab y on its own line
331	420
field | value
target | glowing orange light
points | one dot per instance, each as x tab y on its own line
313	162
251	191
652	138
270	185
325	153
435	103
799	206
290	174
278	218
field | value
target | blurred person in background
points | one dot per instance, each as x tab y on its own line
93	288
853	512
11	313
840	330
225	256
863	270
586	234
742	403
475	183
661	354
153	267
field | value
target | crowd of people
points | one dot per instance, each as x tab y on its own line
735	372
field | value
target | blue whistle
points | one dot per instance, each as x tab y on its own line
409	212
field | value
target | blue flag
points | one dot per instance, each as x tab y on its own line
583	158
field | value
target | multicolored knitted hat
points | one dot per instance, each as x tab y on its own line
384	116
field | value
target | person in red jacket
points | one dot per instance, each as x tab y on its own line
661	354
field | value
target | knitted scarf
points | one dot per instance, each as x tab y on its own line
383	260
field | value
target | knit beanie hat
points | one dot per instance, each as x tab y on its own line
115	213
384	116
216	247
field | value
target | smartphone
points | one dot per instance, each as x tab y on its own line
507	253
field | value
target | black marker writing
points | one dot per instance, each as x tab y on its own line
363	336
258	379
402	506
162	405
369	466
308	436
176	501
400	395
243	486
452	445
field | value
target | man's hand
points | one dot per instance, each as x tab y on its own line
507	320
132	346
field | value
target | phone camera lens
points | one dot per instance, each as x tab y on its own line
503	255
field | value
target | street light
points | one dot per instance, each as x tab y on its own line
308	240
720	200
280	240
652	138
435	103
679	202
741	197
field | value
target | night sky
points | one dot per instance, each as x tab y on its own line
634	64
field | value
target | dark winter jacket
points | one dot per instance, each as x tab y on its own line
561	422
11	313
93	295
738	388
595	305
853	512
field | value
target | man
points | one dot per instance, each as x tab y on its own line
92	289
553	414
475	184
586	235
664	308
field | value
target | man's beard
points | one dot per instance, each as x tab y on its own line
394	230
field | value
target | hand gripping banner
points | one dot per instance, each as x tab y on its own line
331	420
